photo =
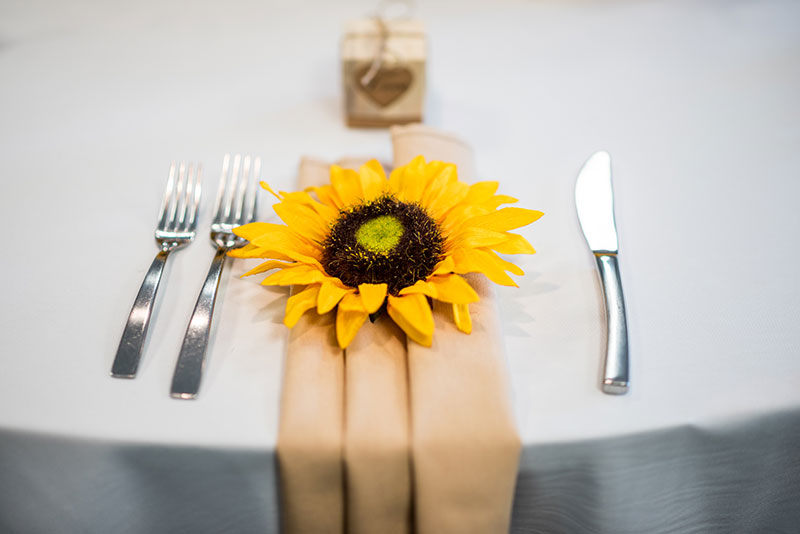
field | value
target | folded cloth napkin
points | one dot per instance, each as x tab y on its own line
377	433
343	442
390	436
376	441
465	447
311	428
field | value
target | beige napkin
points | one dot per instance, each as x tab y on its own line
350	425
311	430
377	441
465	447
343	442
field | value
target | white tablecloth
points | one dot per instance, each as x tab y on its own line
697	103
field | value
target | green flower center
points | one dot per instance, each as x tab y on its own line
380	234
383	241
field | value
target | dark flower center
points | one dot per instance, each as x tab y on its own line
383	241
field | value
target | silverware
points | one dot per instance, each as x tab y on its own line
177	222
234	206
594	200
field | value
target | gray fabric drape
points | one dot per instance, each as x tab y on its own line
743	477
738	478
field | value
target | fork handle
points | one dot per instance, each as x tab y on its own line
189	369
129	352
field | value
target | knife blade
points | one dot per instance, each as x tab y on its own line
594	201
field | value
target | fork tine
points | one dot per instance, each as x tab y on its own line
162	214
180	224
173	210
253	205
198	191
230	194
241	194
223	181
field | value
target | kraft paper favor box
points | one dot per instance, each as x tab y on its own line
383	72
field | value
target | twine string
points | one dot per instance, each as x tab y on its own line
382	14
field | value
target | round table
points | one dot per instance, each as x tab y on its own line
698	105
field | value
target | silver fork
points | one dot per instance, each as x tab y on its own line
177	222
234	206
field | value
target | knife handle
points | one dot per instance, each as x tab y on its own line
615	372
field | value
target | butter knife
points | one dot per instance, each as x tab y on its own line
594	200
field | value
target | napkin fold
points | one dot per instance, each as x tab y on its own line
377	432
343	441
389	436
311	428
377	438
465	446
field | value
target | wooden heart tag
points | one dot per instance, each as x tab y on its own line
388	84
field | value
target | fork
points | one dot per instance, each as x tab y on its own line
233	207
177	222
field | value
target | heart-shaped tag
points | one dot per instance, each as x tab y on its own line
388	84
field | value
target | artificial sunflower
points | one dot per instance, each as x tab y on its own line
367	244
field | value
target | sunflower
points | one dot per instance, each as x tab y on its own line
365	244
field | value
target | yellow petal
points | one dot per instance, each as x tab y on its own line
347	184
505	219
480	192
506	265
299	303
253	251
408	181
349	318
422	287
291	255
284	240
497	200
515	244
453	288
327	213
327	195
480	261
453	193
373	179
303	220
267	266
461	317
396	178
254	230
372	296
266	186
413	314
299	197
447	265
330	294
352	302
455	218
281	244
442	174
476	237
300	274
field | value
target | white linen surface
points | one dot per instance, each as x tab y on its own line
696	101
